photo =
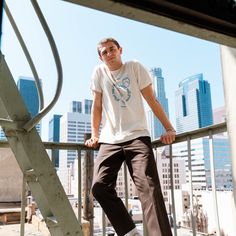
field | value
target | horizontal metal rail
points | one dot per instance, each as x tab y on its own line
195	134
188	136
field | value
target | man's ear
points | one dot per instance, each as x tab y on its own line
100	58
121	50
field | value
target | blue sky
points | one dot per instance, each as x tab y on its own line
77	30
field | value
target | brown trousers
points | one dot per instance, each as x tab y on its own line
140	160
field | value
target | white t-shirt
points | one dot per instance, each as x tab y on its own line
123	114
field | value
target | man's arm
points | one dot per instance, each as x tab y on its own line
96	116
157	109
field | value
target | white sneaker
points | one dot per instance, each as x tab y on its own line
133	232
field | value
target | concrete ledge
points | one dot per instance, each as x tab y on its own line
41	226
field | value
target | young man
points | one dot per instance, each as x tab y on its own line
118	89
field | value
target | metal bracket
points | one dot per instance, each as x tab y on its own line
30	176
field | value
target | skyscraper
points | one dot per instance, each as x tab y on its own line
76	106
73	125
54	136
193	104
155	125
87	105
200	161
28	91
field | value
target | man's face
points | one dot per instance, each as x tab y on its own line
110	54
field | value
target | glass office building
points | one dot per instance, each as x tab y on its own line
54	136
200	162
87	105
28	91
193	104
222	163
76	106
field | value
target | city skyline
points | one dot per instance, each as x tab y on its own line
178	55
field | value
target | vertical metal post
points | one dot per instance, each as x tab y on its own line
228	61
156	154
145	232
88	178
79	185
172	190
193	218
23	205
103	224
213	184
126	185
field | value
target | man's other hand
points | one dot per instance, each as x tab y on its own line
92	142
168	137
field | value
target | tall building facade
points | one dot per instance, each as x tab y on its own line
76	106
193	104
54	136
73	125
163	167
87	105
120	184
222	163
200	162
28	91
155	126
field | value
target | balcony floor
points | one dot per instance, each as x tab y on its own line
14	230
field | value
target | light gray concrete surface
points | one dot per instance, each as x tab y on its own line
14	230
10	177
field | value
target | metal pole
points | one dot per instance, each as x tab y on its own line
145	232
23	205
213	184
193	218
126	185
88	178
172	191
103	224
79	185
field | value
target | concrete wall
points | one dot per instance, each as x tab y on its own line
10	177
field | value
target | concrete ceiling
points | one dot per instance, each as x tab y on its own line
213	20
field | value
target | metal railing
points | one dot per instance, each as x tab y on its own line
43	110
188	137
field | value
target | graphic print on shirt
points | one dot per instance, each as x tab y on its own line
121	91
